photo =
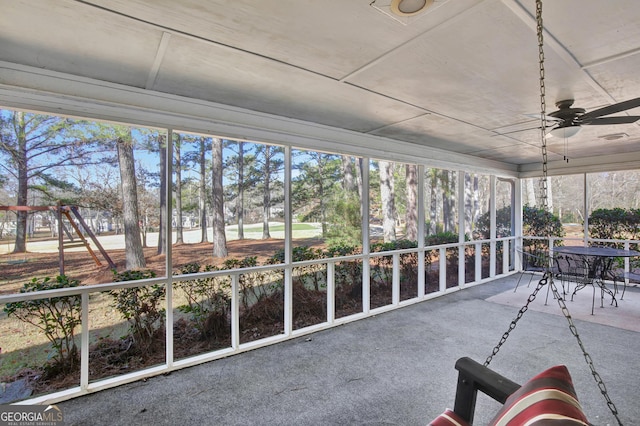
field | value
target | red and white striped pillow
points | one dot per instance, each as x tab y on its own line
448	418
548	396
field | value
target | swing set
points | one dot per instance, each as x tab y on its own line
75	236
549	397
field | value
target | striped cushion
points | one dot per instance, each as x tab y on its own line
448	418
548	397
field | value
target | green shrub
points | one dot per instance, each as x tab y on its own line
140	306
616	223
57	317
208	301
446	237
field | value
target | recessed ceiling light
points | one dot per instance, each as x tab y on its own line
409	7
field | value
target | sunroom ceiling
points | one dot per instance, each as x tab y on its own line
461	76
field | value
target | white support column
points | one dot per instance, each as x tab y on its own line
366	267
492	227
288	245
421	232
461	229
586	192
169	246
517	226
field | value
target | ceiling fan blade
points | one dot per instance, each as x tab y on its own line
610	120
612	109
547	117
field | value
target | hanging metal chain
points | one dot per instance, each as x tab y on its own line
587	357
514	322
547	278
543	116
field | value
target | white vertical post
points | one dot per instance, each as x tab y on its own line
84	342
442	259
331	292
461	228
478	261
585	202
492	226
421	232
235	312
288	245
517	206
395	281
168	255
366	267
506	255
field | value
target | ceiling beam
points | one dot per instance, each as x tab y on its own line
162	49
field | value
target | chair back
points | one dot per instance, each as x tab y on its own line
535	260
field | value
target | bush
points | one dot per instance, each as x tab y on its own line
446	237
534	222
57	317
208	301
616	223
140	306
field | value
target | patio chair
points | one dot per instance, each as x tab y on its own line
576	269
532	262
623	277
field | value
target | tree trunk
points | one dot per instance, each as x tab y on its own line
202	193
323	213
20	245
219	236
240	199
266	194
448	209
162	228
388	201
133	245
178	171
531	192
433	212
549	196
359	166
348	184
468	203
411	217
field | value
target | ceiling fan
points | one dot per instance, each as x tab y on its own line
568	120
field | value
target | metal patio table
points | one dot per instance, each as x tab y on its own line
599	260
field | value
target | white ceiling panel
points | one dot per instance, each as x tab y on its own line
76	39
258	84
462	76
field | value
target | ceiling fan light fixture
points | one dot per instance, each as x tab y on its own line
564	132
409	7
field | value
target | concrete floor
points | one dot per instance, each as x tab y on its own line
396	368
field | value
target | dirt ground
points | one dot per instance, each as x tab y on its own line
17	269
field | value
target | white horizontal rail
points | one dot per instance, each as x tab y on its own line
85	386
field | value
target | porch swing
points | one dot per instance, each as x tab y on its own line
549	397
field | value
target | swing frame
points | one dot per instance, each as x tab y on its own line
474	377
